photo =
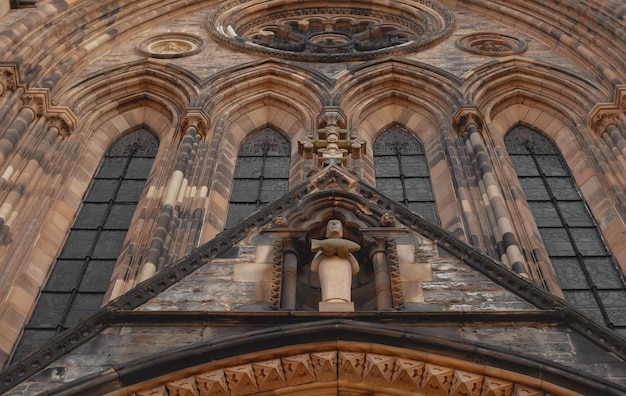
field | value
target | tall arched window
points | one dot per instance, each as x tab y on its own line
261	173
81	274
402	171
586	272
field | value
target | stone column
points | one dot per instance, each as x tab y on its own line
469	122
32	106
289	280
194	124
382	280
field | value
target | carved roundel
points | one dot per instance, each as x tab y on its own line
491	44
172	45
314	31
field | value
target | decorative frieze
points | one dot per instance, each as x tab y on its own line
371	370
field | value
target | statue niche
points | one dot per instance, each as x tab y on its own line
335	264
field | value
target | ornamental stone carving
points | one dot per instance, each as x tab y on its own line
330	32
171	45
491	44
335	264
368	370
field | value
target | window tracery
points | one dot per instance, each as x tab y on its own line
586	272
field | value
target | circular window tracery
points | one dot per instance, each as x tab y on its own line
309	31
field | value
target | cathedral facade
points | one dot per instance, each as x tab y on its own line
412	197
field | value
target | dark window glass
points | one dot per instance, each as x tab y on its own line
261	173
81	275
402	171
587	274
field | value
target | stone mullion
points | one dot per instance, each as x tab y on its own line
503	231
199	195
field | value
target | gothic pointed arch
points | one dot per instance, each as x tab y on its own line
587	274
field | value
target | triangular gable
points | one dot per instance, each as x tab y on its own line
327	181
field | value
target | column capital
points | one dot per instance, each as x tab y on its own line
8	78
197	118
466	116
62	118
604	114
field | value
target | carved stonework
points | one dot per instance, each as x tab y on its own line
171	45
34	101
277	273
335	32
196	118
366	369
604	114
466	116
394	271
8	79
491	44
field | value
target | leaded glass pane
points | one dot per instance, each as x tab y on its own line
130	191
414	166
588	242
249	167
562	188
387	167
545	214
139	168
79	244
112	168
534	188
50	309
276	167
273	189
418	189
392	188
82	307
98	232
97	275
402	171
102	190
524	167
569	273
261	173
576	214
552	165
603	273
91	215
109	244
120	216
557	242
247	190
65	275
587	274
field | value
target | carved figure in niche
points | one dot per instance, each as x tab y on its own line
335	264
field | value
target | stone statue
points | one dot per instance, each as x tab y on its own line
335	264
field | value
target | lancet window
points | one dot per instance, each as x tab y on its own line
81	274
402	171
261	173
586	272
